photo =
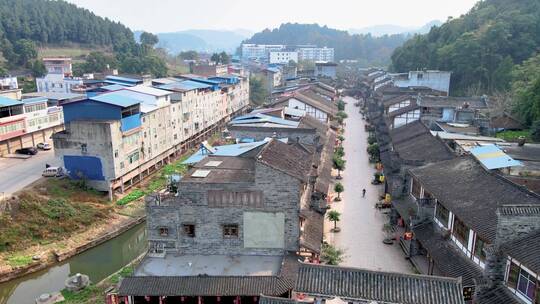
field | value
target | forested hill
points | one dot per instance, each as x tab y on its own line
57	22
371	50
480	48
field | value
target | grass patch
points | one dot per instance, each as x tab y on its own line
19	261
74	51
90	294
514	135
125	272
39	220
133	195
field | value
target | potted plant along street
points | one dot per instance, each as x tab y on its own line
339	165
388	229
334	216
338	187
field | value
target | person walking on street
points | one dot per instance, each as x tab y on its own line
363	192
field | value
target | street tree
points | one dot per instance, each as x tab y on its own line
339	164
338	187
335	217
331	255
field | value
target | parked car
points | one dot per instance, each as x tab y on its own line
53	172
27	151
44	146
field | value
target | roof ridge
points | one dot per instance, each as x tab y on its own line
391	273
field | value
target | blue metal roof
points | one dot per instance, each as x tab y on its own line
123	79
492	157
116	99
226	150
186	85
209	81
35	100
8	102
113	87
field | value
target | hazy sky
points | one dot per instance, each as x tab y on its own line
255	15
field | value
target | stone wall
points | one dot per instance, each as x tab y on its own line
281	194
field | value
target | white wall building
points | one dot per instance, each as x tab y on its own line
316	54
57	83
283	57
436	80
259	51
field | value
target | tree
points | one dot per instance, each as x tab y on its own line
331	255
340	152
38	68
189	55
220	58
215	58
339	164
3	71
338	187
334	216
535	131
526	90
149	39
341	105
26	51
257	91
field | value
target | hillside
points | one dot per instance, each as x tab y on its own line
370	50
480	48
199	40
391	29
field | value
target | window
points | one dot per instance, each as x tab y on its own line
230	231
461	232
189	230
84	148
526	284
121	165
513	274
115	153
479	252
133	157
164	231
415	189
442	214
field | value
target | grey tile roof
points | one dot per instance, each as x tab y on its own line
526	250
415	142
204	286
446	256
324	178
498	294
367	285
289	159
312	236
317	101
452	102
472	193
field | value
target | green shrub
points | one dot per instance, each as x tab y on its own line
134	195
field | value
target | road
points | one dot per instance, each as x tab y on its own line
361	224
19	173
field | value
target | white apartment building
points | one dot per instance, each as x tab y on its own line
259	51
116	139
316	54
436	80
59	78
283	57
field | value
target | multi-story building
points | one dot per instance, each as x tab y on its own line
316	54
115	139
436	80
259	51
25	123
59	76
326	69
9	87
283	57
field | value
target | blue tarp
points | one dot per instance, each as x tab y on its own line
226	150
261	118
492	157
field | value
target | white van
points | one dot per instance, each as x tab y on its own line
53	172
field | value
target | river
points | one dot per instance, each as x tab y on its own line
98	263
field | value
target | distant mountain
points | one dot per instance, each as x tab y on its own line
390	29
200	40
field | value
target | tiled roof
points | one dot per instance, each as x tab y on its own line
464	187
354	284
452	102
324	178
204	286
317	102
286	158
446	256
415	142
526	250
498	294
312	236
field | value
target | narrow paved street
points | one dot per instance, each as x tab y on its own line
361	224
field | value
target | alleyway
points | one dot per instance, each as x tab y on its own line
361	224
